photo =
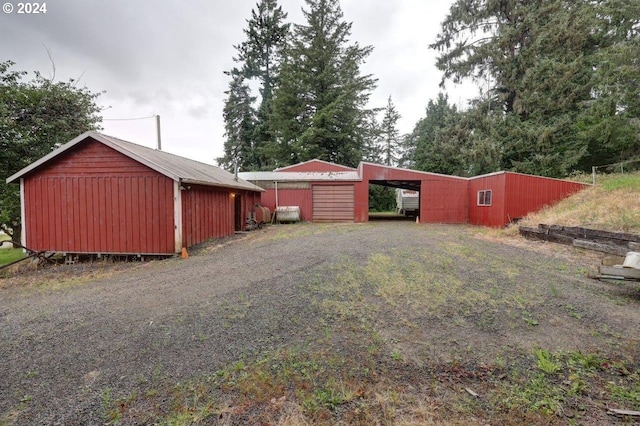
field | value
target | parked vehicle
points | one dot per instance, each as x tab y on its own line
407	202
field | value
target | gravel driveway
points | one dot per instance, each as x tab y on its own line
60	350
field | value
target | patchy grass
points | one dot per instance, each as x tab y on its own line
290	231
10	255
613	204
417	337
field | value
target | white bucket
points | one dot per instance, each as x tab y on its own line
632	260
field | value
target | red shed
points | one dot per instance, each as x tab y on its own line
101	195
327	192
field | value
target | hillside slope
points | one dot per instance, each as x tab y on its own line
613	204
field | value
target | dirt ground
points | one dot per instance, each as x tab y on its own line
442	301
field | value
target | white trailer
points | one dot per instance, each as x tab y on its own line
407	202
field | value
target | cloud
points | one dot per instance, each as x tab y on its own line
168	58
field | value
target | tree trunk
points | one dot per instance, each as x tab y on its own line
16	236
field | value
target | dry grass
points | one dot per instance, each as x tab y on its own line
613	204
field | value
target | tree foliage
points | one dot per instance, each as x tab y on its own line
563	79
239	125
390	135
320	107
36	116
248	128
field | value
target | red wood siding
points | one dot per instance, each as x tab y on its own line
302	198
206	213
96	200
443	200
493	215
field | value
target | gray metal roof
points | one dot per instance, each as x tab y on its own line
299	176
315	160
173	166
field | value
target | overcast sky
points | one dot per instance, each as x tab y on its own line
167	57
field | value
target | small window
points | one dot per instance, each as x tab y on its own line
484	197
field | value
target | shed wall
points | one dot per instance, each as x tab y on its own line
207	212
493	215
95	200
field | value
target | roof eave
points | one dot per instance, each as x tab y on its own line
248	187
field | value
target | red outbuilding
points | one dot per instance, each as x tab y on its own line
327	192
101	195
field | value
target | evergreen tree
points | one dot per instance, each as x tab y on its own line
259	58
239	125
550	68
421	143
320	105
390	136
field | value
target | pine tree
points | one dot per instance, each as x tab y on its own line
320	107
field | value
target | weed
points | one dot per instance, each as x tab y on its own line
626	390
396	355
111	413
546	362
528	318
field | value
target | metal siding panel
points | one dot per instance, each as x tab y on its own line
443	200
302	198
487	215
527	194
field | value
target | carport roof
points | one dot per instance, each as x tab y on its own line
173	166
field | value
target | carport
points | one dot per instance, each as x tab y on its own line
327	192
443	199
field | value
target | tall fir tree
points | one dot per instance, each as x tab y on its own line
239	125
259	58
320	108
389	135
420	145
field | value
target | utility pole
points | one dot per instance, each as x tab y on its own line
158	132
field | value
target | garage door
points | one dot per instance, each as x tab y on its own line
333	203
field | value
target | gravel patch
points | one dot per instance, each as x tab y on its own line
65	351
